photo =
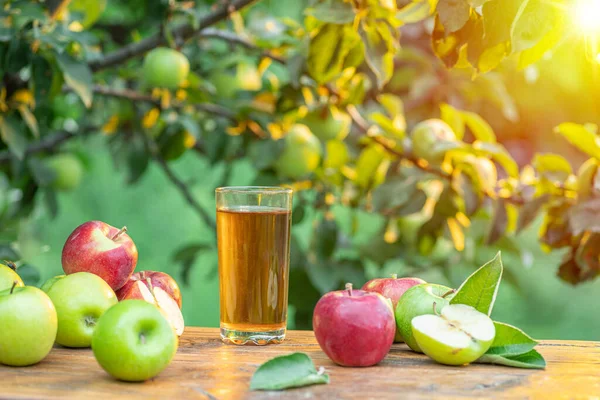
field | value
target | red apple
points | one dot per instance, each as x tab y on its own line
393	288
354	328
159	289
101	249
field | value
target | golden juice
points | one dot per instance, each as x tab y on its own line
254	251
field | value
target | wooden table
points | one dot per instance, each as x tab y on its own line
206	368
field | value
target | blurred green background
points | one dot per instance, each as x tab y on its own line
160	222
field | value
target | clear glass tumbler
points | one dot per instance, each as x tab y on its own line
253	235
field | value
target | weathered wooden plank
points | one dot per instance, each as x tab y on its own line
206	368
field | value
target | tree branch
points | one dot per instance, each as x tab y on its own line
179	184
230	37
47	143
184	31
137	96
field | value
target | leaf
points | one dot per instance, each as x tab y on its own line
78	76
500	155
529	360
510	341
529	211
453	14
581	137
583	217
326	237
264	153
371	166
328	50
393	194
289	371
332	11
456	233
13	136
499	222
480	289
545	44
29	120
454	119
535	19
380	48
479	127
416	11
552	166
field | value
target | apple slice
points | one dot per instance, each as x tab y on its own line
458	335
169	307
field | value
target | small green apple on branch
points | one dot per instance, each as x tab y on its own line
356	328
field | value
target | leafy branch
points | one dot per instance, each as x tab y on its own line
230	37
184	32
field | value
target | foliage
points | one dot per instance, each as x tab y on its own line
66	76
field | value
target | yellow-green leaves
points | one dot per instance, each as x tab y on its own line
480	289
380	47
328	51
453	14
458	119
13	135
513	348
78	76
416	11
581	136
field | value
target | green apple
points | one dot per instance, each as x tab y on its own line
80	299
301	155
458	336
50	282
418	300
28	326
133	341
8	276
165	68
328	123
431	139
67	170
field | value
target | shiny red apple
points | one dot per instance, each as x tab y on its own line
354	328
101	249
159	289
393	288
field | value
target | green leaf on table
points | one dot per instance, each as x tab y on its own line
510	341
530	360
332	11
581	137
480	289
14	137
290	371
78	77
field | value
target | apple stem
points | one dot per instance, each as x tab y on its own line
394	276
14	285
349	288
434	308
122	231
448	293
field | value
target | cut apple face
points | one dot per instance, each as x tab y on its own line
165	303
458	336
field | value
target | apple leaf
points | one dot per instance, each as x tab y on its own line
510	341
289	371
480	289
531	360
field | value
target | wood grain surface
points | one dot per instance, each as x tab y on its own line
205	368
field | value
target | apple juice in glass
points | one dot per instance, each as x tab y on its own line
253	235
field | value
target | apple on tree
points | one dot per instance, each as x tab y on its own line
458	335
353	327
418	300
101	249
165	68
28	325
159	289
301	154
133	341
431	139
393	288
8	276
80	299
328	123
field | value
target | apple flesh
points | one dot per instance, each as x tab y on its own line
353	327
159	289
418	300
133	341
80	299
458	336
8	276
28	324
101	249
393	288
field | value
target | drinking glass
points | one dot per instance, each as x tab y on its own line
253	236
